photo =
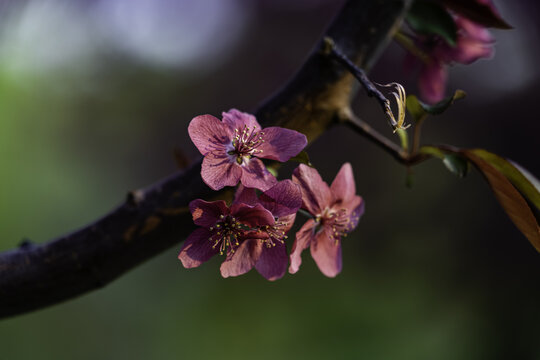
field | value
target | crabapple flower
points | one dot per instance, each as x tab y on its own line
336	211
232	149
267	253
473	42
222	230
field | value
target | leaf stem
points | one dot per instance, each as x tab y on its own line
417	133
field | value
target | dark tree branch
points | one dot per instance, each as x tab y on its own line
154	219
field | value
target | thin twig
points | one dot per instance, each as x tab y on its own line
335	53
382	141
386	144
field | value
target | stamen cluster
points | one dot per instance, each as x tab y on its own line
226	232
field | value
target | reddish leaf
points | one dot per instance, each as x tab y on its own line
522	180
510	199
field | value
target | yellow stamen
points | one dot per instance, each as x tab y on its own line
401	101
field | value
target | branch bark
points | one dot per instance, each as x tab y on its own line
156	218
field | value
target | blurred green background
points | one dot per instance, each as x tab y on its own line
94	97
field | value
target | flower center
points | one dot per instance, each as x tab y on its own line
276	233
245	143
339	220
226	232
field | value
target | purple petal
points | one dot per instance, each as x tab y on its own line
469	50
209	134
252	215
343	186
474	31
303	239
219	170
273	261
355	207
246	196
474	42
281	144
255	175
316	194
243	259
197	248
236	119
282	199
357	212
326	252
206	213
432	82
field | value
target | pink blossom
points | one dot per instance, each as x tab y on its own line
232	148
336	211
267	253
473	42
221	230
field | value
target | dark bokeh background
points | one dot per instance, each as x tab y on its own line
94	97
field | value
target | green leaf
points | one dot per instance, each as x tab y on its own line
419	110
433	151
415	108
444	104
510	199
521	178
302	158
456	164
479	12
429	18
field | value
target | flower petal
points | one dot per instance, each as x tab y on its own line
236	119
197	248
316	194
355	207
469	50
343	186
209	134
474	31
282	199
218	171
281	144
326	252
432	81
246	196
303	239
206	213
243	259
273	261
255	175
252	215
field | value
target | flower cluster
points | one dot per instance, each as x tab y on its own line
473	42
252	231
